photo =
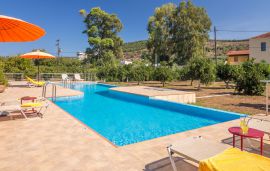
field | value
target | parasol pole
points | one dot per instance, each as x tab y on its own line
38	70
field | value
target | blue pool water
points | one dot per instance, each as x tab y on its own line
125	119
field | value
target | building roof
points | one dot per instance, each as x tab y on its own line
265	35
238	52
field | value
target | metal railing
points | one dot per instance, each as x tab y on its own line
54	92
15	76
51	76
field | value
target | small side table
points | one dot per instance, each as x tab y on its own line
252	133
28	98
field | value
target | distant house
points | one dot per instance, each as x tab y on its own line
237	57
259	49
81	55
126	62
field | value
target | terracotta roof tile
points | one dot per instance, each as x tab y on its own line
238	52
265	35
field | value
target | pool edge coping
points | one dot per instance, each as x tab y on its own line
114	145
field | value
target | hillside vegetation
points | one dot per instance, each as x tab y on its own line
133	50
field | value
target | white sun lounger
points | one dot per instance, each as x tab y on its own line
77	77
12	108
195	149
64	77
260	122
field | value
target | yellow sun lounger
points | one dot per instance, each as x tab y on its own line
235	160
216	156
35	83
37	107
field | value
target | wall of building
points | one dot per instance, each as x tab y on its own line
240	59
255	49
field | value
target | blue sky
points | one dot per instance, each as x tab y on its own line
61	19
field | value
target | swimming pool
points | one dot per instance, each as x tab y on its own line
125	118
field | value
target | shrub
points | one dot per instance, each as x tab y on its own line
19	65
139	72
202	69
264	68
163	74
226	73
122	73
103	73
3	80
248	81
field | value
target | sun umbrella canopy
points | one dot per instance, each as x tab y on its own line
37	55
16	30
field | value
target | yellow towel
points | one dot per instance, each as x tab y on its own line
234	159
32	105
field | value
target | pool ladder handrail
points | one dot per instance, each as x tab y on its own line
54	91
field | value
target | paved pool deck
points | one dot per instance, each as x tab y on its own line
159	93
60	142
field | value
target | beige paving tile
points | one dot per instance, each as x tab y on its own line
60	142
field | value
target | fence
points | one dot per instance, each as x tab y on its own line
14	76
51	76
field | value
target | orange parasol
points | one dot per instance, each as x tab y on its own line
16	30
37	55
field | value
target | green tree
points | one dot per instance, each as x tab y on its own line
159	42
139	71
19	65
226	73
103	72
190	27
113	73
146	56
102	30
163	73
202	69
264	67
122	73
248	81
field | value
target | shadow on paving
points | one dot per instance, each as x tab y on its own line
16	116
250	145
165	165
250	105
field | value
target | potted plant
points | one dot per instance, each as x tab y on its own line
3	82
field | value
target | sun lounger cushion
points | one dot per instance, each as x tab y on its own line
31	105
234	159
38	83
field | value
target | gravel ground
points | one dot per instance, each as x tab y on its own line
222	98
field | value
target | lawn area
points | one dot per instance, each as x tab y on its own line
214	96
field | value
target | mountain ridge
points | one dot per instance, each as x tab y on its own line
134	50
